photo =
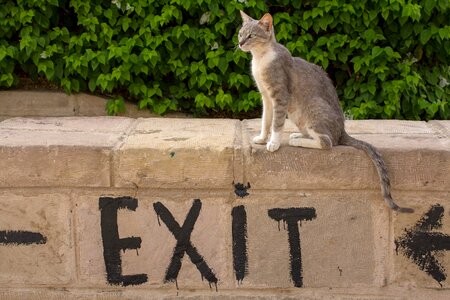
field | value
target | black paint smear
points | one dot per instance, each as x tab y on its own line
291	216
239	234
432	219
419	241
241	190
19	237
296	214
184	245
112	244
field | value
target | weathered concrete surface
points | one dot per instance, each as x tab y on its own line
39	103
58	152
304	294
416	159
51	263
36	104
55	171
162	153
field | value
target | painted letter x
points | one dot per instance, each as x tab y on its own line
184	245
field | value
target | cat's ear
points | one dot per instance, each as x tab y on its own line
266	22
245	18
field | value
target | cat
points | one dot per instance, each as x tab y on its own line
293	87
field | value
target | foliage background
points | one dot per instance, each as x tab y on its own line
388	58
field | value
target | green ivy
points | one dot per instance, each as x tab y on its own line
388	58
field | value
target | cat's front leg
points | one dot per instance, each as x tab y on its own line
277	130
266	123
279	118
275	142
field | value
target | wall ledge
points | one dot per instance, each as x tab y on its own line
214	153
44	103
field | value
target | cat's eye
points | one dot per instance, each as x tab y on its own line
251	35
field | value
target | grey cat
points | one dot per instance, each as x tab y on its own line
293	87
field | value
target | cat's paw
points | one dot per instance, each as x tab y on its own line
259	139
272	146
295	135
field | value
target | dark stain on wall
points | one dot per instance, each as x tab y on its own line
291	217
420	241
183	236
241	190
112	244
239	235
19	237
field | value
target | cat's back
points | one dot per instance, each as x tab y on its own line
299	70
308	71
312	81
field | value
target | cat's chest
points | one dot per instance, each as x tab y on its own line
261	69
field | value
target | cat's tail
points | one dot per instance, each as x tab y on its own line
378	161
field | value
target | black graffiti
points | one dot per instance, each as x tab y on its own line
19	237
184	245
239	235
418	243
241	189
291	216
112	244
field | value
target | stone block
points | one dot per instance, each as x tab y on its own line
442	131
58	151
421	242
441	126
397	127
312	294
210	236
54	166
35	103
86	125
337	244
90	105
178	153
415	161
36	247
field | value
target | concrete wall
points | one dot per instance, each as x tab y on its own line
118	208
36	103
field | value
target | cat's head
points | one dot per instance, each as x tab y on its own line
255	33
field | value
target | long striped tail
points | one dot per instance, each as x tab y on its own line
380	166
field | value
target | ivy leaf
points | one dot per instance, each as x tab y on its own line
92	85
369	35
321	41
223	65
376	51
115	106
429	5
2	53
425	35
7	78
